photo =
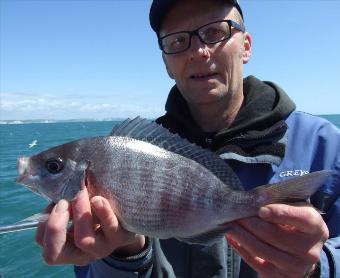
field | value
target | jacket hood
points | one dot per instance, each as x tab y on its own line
265	104
257	128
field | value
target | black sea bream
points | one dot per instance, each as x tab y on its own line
158	184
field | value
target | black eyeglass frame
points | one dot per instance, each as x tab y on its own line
195	32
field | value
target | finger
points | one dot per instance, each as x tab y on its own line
105	215
83	222
55	232
109	226
257	248
305	219
288	240
40	233
58	248
108	220
122	241
262	267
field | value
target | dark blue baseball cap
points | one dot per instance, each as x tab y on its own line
159	8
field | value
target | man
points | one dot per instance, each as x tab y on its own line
249	123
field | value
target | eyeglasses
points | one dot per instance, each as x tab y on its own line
210	33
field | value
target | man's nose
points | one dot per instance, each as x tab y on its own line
198	48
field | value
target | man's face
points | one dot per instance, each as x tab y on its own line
206	74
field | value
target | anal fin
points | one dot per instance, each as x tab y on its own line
210	237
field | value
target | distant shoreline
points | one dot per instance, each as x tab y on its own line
20	122
49	121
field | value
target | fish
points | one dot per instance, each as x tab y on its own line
157	183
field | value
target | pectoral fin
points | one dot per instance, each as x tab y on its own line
75	182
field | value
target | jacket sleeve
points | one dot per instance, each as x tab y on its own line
314	145
330	256
150	263
329	201
139	266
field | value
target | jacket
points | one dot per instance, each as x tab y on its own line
268	142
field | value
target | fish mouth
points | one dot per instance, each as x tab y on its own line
24	177
28	181
21	179
22	165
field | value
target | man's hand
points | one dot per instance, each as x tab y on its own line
86	241
284	241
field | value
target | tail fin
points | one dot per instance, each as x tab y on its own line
293	190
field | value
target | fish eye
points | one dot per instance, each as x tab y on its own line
54	165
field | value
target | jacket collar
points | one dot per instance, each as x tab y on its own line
258	133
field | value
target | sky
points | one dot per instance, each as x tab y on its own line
99	59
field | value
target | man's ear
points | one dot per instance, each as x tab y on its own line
166	66
247	50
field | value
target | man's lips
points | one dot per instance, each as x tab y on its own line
202	76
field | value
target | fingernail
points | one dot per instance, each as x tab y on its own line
228	237
264	212
62	206
232	241
97	203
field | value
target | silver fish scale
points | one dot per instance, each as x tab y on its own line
144	130
155	191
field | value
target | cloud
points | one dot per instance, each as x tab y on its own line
26	106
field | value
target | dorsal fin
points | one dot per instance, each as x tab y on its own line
151	132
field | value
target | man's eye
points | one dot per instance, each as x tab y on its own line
54	165
212	34
178	41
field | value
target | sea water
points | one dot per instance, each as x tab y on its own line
20	256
